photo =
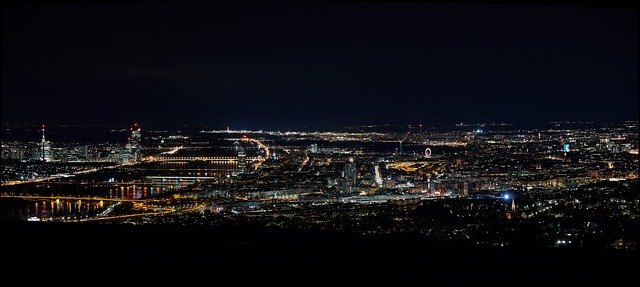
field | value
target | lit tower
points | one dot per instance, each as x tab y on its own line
42	144
378	176
512	212
135	141
45	154
242	158
350	173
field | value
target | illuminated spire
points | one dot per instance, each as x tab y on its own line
513	203
43	140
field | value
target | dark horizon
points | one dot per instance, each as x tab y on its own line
323	64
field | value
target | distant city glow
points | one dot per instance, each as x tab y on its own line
358	146
328	180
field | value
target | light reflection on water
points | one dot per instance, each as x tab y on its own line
148	184
58	209
142	191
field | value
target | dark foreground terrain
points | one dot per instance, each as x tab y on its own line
212	255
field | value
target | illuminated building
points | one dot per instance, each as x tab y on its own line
313	148
350	175
136	140
11	152
378	176
465	188
512	212
84	151
242	158
44	153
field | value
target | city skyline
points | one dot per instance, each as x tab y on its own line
345	141
294	63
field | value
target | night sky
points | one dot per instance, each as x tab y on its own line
325	64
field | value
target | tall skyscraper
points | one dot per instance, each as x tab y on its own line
44	154
378	175
136	142
242	158
350	173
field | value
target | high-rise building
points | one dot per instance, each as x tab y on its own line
12	152
242	158
350	174
84	151
44	153
378	175
136	142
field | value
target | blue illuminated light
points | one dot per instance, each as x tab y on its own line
506	196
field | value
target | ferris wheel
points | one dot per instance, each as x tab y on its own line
427	153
